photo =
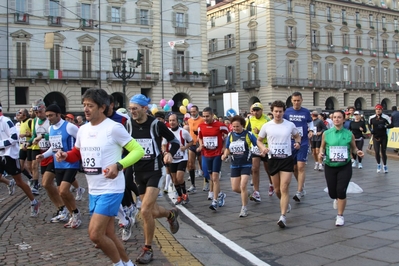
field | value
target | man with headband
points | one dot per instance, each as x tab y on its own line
148	131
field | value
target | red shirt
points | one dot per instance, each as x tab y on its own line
212	138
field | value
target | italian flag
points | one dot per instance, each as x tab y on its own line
55	74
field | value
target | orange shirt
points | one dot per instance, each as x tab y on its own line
193	124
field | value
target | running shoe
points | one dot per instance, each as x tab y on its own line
289	208
185	199
244	212
11	187
339	220
354	163
76	220
173	222
192	189
298	196
321	167
79	193
133	211
282	222
210	195
205	187
62	216
138	203
255	197
54	219
335	204
35	190
72	189
220	175
68	224
127	229
378	168
385	169
271	190
179	200
214	205
146	256
316	166
221	199
34	209
360	166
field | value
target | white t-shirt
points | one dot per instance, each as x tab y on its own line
101	146
185	135
278	138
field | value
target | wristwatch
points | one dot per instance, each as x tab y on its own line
119	166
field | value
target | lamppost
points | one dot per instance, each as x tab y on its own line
119	69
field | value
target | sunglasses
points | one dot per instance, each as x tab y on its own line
37	108
256	109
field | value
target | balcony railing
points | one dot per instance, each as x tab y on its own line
251	84
330	48
359	51
138	77
291	43
332	84
315	46
21	18
176	77
252	46
180	31
373	53
345	49
54	21
86	23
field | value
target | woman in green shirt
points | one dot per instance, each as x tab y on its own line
336	145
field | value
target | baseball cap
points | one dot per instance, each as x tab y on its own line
70	116
257	106
356	113
315	113
378	106
347	113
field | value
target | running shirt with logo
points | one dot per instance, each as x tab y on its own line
101	146
8	138
379	125
193	126
212	138
338	144
301	118
42	128
253	122
62	137
240	148
25	127
279	138
183	136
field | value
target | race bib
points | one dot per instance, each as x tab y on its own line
147	147
338	153
44	144
255	150
91	160
56	142
278	150
22	140
211	143
237	147
179	155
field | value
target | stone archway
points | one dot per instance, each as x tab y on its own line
331	104
178	99
359	103
56	98
288	102
118	100
386	104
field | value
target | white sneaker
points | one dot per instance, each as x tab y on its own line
192	189
354	163
316	166
206	187
282	222
360	166
289	208
79	193
321	167
210	195
138	203
11	187
339	220
244	212
378	168
335	204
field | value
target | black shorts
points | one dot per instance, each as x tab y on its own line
30	155
47	168
147	179
193	148
315	144
262	158
238	172
10	165
35	153
23	154
281	165
181	166
67	175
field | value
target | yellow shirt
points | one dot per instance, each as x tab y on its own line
254	122
24	128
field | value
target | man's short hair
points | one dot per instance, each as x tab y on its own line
208	110
99	96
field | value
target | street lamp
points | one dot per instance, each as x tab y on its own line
119	69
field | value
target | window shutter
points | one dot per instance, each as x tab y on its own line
52	57
216	45
226	74
342	73
175	66
78	10
296	69
226	42
368	42
232	41
256	70
109	13
147	60
62	13
138	16
318	36
94	9
295	34
210	46
29	11
186	20
24	56
174	19
327	77
57	56
216	77
46	8
151	17
335	72
287	33
123	14
287	68
187	60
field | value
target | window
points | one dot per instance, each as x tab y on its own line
395	24
116	14
213	45
253	70
343	14
395	4
372	74
229	41
371	43
357	16
359	73
21	59
289	6
290	33
144	17
230	77
86	61
315	69
180	63
396	47
358	41
397	74
330	38
54	9
252	9
312	11
22	93
314	38
384	23
329	14
371	21
345	40
292	69
384	46
228	16
85	8
116	53
345	73
55	53
180	20
212	22
214	77
385	75
330	71
20	6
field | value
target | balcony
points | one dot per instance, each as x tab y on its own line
21	18
54	21
251	84
359	51
373	53
345	49
189	78
291	43
86	23
330	48
181	31
252	46
315	47
385	54
139	77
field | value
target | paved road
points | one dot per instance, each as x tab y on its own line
370	235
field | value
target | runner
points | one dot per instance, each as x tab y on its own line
279	133
149	132
9	151
378	127
25	133
300	116
358	128
254	124
210	135
318	128
178	166
238	144
336	145
99	144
